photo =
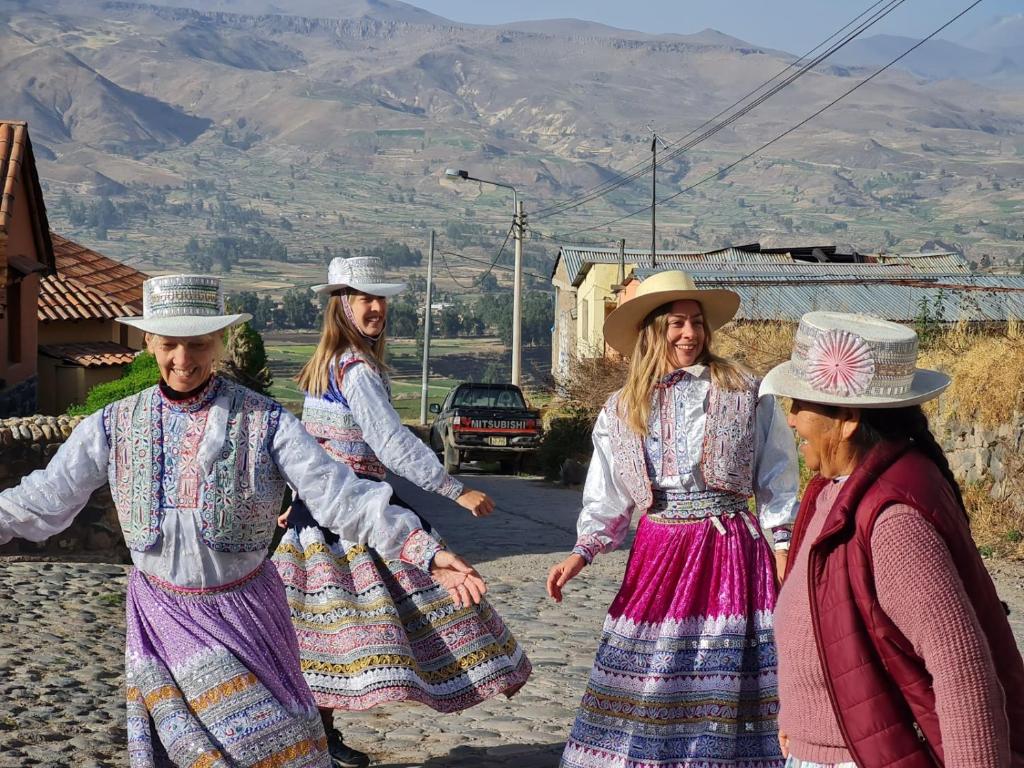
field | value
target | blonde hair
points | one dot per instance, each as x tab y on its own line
338	336
652	359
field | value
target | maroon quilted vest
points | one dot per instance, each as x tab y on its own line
880	690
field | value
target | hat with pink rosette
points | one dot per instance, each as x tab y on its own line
857	361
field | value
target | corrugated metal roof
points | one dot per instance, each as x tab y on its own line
975	298
751	259
579	260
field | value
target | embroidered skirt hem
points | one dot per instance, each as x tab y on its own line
372	632
685	672
213	678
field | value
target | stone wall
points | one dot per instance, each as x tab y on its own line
980	454
28	444
19	399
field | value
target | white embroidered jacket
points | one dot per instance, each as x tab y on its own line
608	504
46	501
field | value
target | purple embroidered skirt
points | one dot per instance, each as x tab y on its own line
372	632
217	673
685	673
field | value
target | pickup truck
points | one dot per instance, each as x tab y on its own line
484	421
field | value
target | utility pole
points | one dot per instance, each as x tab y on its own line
424	391
654	198
517	295
622	264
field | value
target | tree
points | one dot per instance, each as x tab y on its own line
299	311
449	322
402	320
245	358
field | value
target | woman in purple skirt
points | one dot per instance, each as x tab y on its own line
197	468
685	673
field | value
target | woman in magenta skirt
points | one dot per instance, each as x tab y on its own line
685	673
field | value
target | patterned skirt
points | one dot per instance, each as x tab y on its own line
372	631
213	678
685	673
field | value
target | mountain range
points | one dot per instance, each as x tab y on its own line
316	112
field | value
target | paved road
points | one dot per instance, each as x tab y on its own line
61	646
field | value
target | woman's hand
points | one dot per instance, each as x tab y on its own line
461	580
784	744
477	502
781	557
560	574
282	519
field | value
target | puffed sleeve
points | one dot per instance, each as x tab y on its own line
398	448
607	506
357	510
776	472
47	500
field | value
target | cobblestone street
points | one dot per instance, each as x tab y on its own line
62	625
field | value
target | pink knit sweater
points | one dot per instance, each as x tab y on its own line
919	588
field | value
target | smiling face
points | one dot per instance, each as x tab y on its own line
685	333
185	362
826	437
369	312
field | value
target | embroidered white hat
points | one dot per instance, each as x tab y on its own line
854	360
183	305
622	326
363	273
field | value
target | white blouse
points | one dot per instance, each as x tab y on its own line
397	448
47	501
607	506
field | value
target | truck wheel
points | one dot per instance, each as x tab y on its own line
510	465
452	459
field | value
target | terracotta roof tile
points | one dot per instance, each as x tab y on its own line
118	282
93	354
17	162
65	298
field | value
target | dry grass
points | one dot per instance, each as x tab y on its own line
759	346
987	369
997	524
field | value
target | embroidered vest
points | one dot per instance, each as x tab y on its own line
241	494
727	461
330	420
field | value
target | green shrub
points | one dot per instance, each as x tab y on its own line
140	373
567	437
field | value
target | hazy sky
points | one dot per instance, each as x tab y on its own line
792	25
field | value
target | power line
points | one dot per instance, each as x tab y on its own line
492	265
724	170
641	167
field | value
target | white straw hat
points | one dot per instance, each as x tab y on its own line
183	305
622	326
854	360
363	273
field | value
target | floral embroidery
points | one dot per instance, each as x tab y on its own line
840	363
728	460
588	547
240	498
419	549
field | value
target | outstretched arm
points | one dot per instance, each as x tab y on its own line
47	500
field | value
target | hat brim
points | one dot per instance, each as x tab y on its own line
185	325
373	289
783	380
622	326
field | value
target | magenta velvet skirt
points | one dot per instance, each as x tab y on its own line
685	673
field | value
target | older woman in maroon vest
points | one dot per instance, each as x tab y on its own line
685	670
894	649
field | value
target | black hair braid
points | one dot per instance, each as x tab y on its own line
888	424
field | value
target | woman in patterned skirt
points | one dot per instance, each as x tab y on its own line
371	630
197	467
685	673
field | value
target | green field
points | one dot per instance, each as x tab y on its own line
452	361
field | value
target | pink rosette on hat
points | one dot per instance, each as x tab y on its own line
840	363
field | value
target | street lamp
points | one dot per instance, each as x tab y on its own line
518	222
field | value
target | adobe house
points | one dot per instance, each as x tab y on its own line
26	253
80	343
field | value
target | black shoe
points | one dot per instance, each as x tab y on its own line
342	755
